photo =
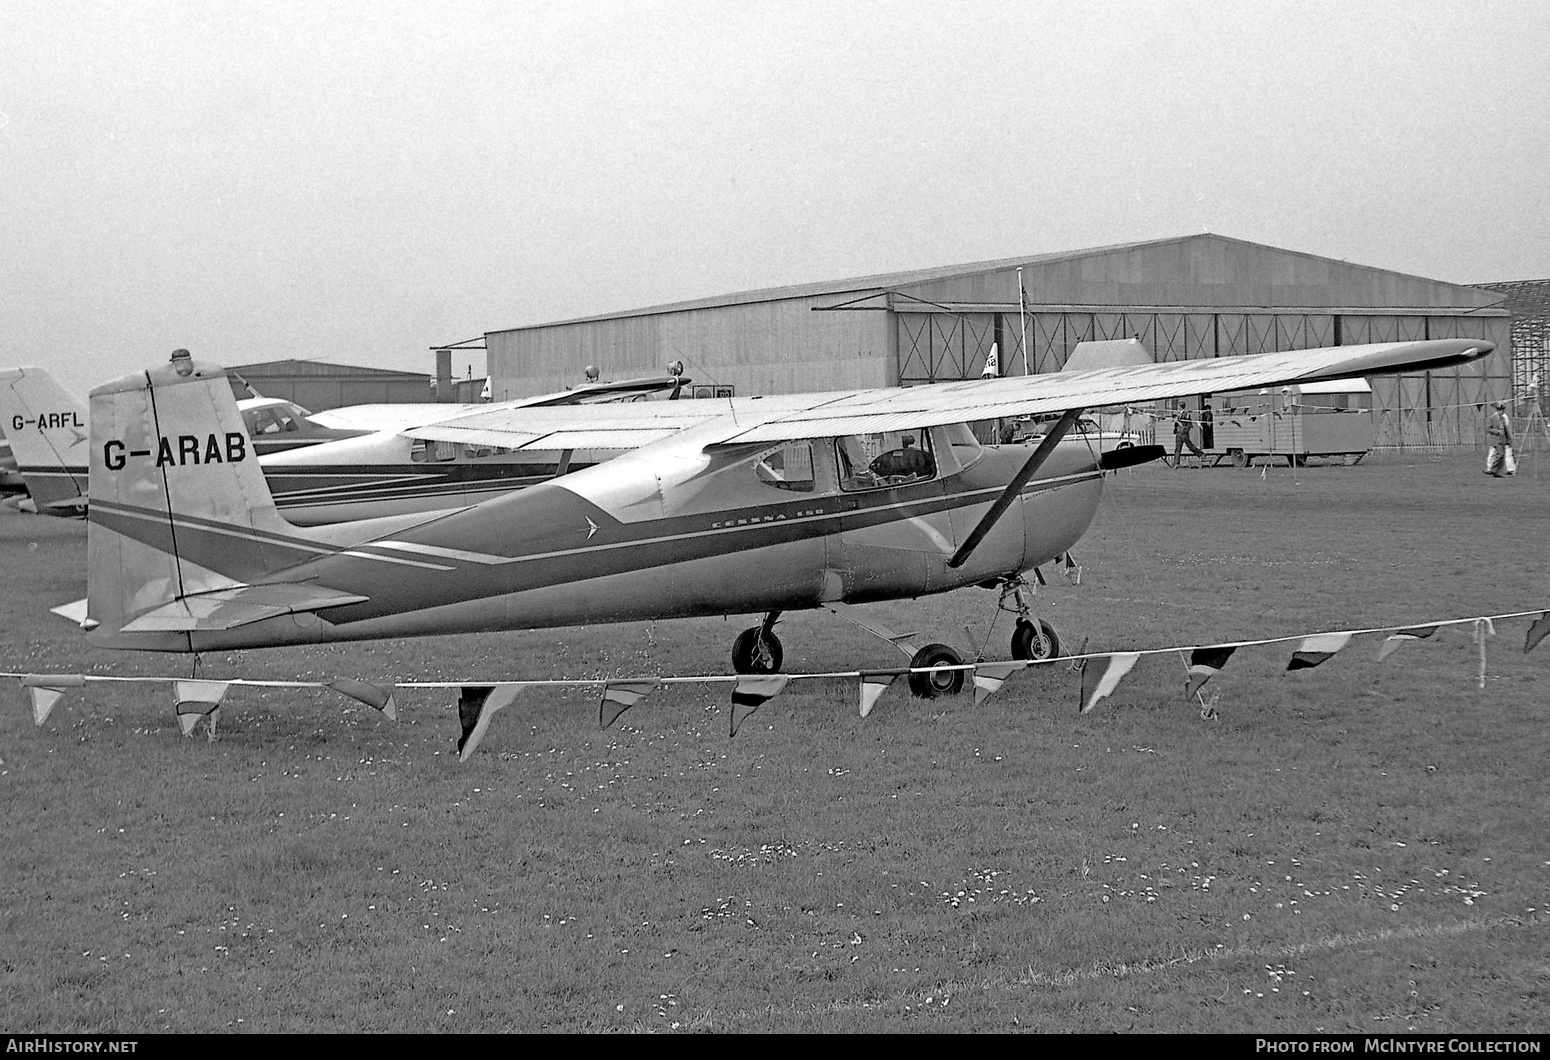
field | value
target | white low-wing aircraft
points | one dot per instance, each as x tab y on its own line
346	463
763	506
413	463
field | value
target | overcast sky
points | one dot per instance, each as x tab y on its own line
357	182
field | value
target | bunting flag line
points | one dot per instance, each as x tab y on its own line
873	684
1100	681
1319	648
989	677
1537	631
45	690
751	691
199	699
371	695
475	707
1204	664
1400	636
618	697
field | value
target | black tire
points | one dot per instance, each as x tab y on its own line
1035	640
1239	458
753	653
941	683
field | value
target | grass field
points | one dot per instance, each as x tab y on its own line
1355	848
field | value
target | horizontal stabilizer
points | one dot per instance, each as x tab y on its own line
238	606
68	504
75	611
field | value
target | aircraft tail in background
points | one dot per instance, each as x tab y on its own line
46	427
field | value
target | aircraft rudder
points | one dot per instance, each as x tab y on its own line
176	493
46	426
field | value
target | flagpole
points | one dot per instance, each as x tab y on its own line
1022	316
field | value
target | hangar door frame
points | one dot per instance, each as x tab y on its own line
943	343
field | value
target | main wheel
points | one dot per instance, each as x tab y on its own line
1032	640
1239	457
941	683
756	652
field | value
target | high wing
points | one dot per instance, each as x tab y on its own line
795	416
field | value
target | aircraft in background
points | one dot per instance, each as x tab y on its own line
428	462
783	503
11	480
361	467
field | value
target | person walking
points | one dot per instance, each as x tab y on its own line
1182	430
1498	459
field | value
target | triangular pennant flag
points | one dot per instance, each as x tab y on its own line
752	690
1391	644
1537	631
1484	628
1204	664
43	700
873	684
45	690
371	695
618	697
989	677
1101	676
199	699
1070	569
1319	648
475	707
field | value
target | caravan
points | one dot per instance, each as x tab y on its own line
1324	419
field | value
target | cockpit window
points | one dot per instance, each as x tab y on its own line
890	458
966	448
789	467
273	420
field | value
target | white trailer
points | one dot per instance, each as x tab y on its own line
1330	420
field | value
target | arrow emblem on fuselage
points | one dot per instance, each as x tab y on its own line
591	528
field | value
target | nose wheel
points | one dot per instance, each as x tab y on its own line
757	649
1032	638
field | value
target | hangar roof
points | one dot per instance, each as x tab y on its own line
297	367
1462	295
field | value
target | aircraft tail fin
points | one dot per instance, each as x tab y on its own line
179	508
46	426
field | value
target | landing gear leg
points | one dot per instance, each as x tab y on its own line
757	649
1032	638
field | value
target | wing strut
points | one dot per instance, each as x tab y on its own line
1013	488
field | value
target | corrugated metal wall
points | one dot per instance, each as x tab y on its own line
772	347
1198	296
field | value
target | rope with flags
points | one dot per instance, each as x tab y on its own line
478	701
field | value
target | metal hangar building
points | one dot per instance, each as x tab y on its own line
318	385
1188	297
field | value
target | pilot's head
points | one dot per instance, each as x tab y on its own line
907	441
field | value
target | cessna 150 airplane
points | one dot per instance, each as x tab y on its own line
774	504
346	463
